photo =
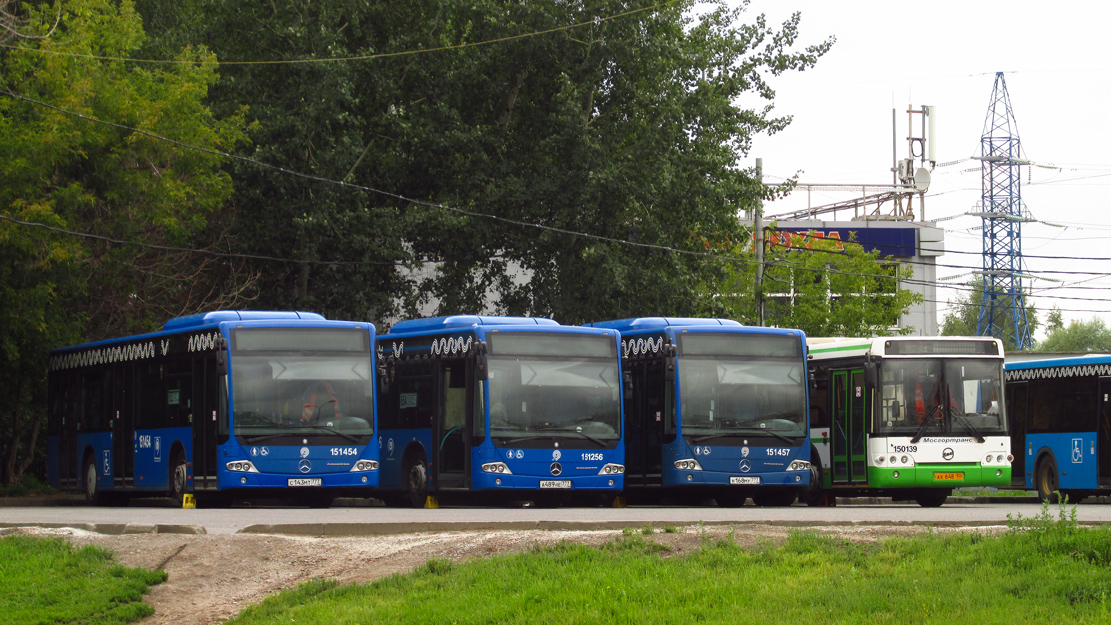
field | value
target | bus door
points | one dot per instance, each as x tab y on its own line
452	430
1016	415
203	419
644	423
123	427
848	432
1103	435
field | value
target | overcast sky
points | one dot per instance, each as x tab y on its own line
945	54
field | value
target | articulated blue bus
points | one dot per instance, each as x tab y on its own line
247	403
500	408
716	409
1060	418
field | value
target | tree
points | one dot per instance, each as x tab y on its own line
964	315
823	287
626	129
71	174
1079	336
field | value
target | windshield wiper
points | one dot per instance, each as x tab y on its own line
329	430
749	431
596	441
258	438
925	424
972	430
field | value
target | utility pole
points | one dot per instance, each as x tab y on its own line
758	227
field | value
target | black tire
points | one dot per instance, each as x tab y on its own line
416	480
932	497
776	498
1046	480
179	478
814	494
93	495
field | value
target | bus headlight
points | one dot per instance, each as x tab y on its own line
688	464
241	466
799	465
612	469
496	467
365	465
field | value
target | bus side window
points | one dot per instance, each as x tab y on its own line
151	399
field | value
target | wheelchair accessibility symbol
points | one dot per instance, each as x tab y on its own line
1077	450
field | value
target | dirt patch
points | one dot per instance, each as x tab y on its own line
212	577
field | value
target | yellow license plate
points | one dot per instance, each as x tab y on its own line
959	477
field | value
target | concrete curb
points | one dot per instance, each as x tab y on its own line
116	529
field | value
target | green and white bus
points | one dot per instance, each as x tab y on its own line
906	417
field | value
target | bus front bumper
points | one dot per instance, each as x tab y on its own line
938	475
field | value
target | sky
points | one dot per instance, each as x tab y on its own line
946	54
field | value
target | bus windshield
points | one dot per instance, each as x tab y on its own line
934	396
727	397
537	399
283	393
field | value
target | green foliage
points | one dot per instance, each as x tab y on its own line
1079	336
823	287
964	316
627	128
28	486
810	578
66	172
50	581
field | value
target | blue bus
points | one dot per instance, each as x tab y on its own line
509	408
714	409
1060	422
247	403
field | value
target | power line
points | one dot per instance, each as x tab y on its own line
424	203
363	57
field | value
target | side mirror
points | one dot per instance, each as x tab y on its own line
481	364
222	356
870	376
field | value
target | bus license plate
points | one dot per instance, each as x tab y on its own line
752	479
555	483
958	477
306	481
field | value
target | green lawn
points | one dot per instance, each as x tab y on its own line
46	580
1041	570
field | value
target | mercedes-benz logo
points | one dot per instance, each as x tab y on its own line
745	465
556	469
304	466
947	453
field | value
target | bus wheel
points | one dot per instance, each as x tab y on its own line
93	495
416	481
814	494
774	498
932	497
179	478
1047	482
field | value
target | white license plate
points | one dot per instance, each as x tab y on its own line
555	483
306	481
754	479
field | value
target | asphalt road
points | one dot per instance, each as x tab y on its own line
347	520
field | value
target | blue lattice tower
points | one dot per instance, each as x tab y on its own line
1003	307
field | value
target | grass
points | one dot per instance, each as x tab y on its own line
47	580
991	492
27	487
1042	569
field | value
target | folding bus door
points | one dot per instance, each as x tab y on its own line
1103	434
1016	417
452	430
849	438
